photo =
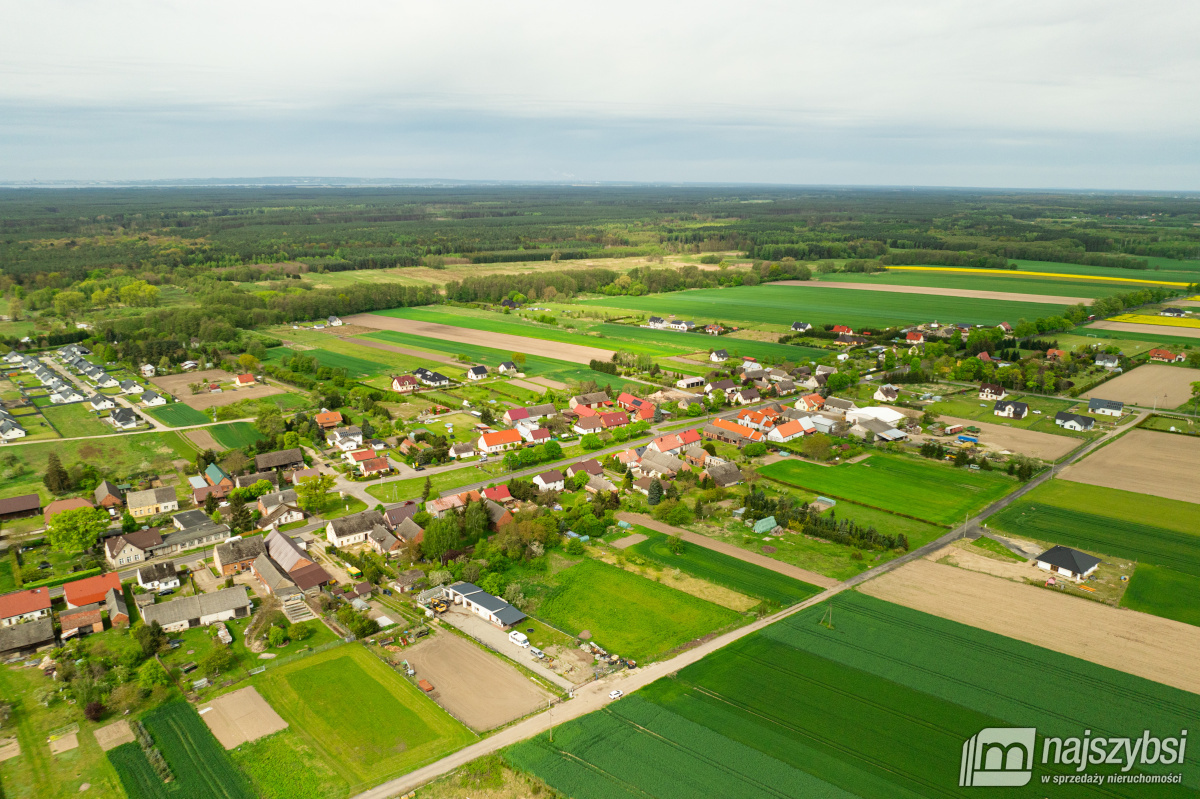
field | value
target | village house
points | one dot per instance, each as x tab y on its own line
328	420
492	609
152	502
477	373
1074	421
374	467
127	548
199	611
1108	361
247	480
405	384
152	400
352	529
992	392
243	380
345	438
1165	356
463	449
60	505
802	327
498	441
237	555
19	607
123	419
587	424
718	356
810	403
498	493
656	464
887	393
747	396
130	387
1056	355
279	508
1105	407
614	419
107	495
1175	312
284	568
215	476
636	406
1010	409
1066	562
795	428
101	402
438	508
914	337
158	576
90	590
507	368
731	433
714	329
550	481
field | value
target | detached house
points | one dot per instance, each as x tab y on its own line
22	606
123	419
1074	421
477	373
158	576
1105	407
1165	356
718	356
353	529
1010	409
887	393
810	403
914	337
802	327
992	392
101	403
499	441
507	368
152	502
405	384
107	495
126	548
1108	361
552	480
279	508
243	380
1067	562
787	431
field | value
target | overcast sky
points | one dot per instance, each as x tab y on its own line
1026	94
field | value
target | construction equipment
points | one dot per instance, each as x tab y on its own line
439	605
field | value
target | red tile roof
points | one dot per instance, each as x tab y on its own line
59	505
91	589
497	493
501	438
18	603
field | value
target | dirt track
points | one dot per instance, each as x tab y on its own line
241	716
978	294
501	341
1150	384
1158	330
1045	446
1148	646
1146	462
479	689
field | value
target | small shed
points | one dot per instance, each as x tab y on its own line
764	526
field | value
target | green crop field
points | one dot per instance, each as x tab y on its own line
1164	592
198	763
1148	529
355	367
76	420
782	305
626	614
284	766
928	490
364	721
878	707
985	280
177	414
235	435
721	569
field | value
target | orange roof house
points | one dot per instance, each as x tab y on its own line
327	420
1158	354
90	590
59	505
244	380
500	440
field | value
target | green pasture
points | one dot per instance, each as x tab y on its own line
285	766
876	704
234	435
358	717
928	490
178	414
774	304
1123	524
720	569
626	614
355	367
76	419
1164	592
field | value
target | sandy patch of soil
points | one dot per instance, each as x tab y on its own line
979	294
1045	446
241	716
114	735
178	384
477	688
1161	330
64	744
9	748
529	385
965	555
501	341
1168	386
1146	462
205	401
557	385
1148	646
203	439
628	541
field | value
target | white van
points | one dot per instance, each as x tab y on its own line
520	639
536	653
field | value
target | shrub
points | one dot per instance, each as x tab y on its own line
93	711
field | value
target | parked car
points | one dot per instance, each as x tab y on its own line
616	694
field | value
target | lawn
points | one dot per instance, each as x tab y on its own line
927	490
199	764
364	721
411	488
178	414
721	569
878	707
1164	592
628	615
76	419
37	774
235	435
1148	529
781	305
285	766
355	367
996	548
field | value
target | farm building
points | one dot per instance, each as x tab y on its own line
1067	562
1074	421
59	505
18	507
483	604
22	639
81	621
1105	407
114	603
731	433
281	459
592	400
1010	409
198	611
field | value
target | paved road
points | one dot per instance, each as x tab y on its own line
595	695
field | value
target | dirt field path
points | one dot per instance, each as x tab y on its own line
1046	446
780	567
1158	330
429	356
1149	384
203	439
1148	646
1144	461
978	294
479	689
502	341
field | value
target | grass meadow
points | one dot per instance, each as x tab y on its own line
781	305
76	419
628	615
927	490
1123	524
357	717
355	367
235	435
877	706
1164	592
177	414
720	569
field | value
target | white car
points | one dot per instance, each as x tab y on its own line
615	695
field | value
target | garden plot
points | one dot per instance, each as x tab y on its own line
1148	646
241	716
474	686
1144	462
1151	384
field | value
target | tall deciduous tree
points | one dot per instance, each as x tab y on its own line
77	530
313	492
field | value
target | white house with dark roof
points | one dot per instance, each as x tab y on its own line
1074	421
1066	562
1010	409
490	608
1105	407
477	372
